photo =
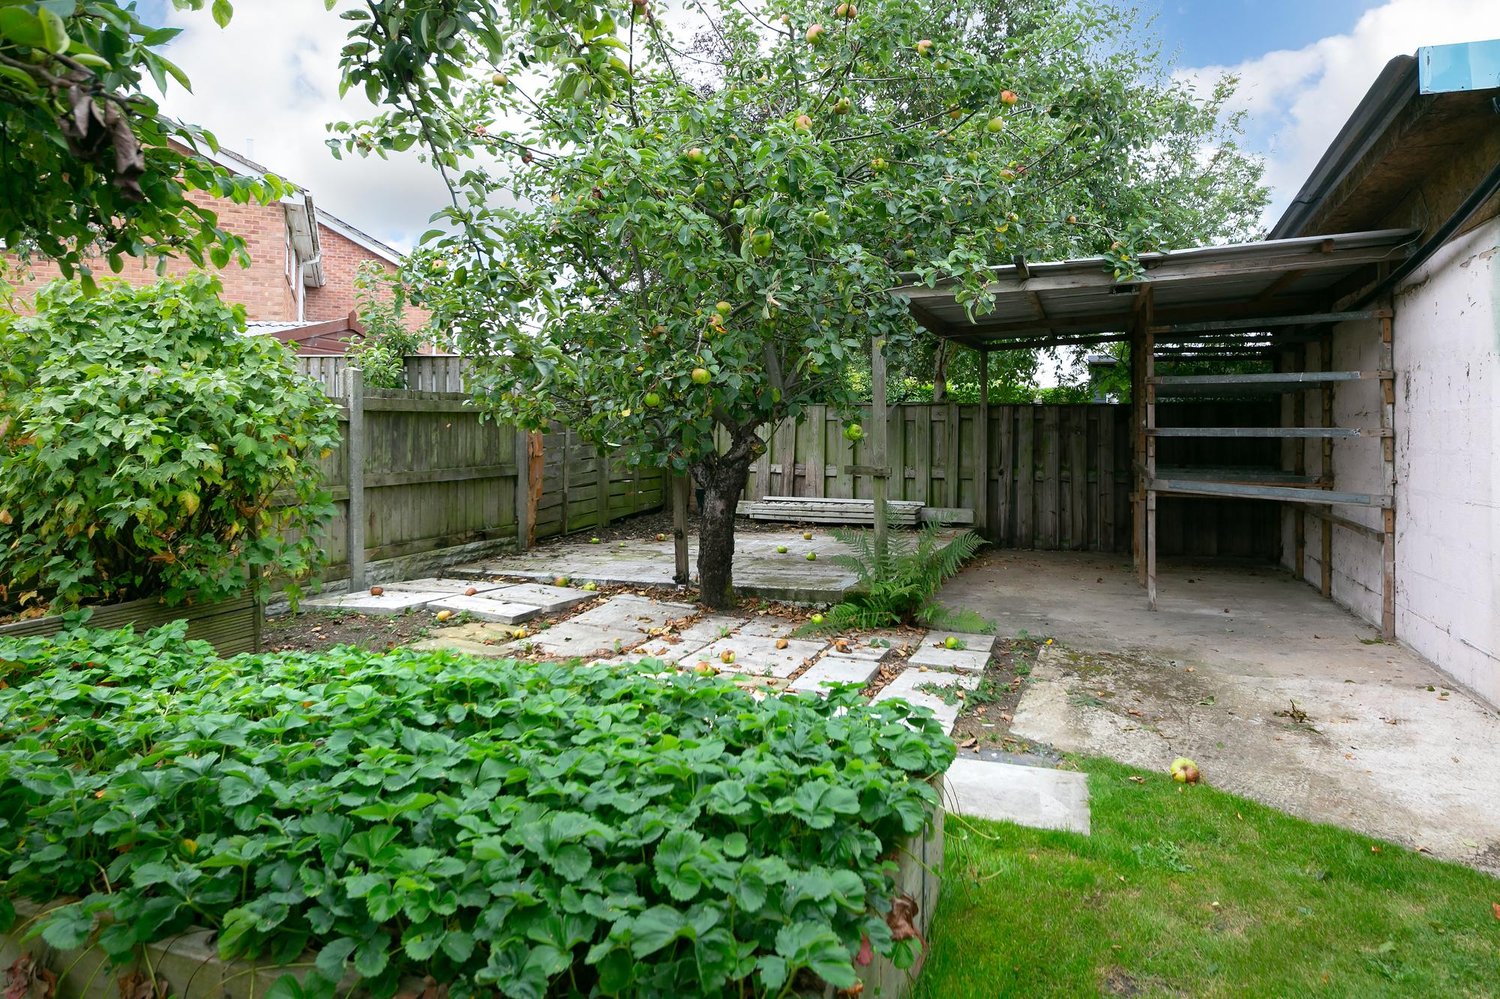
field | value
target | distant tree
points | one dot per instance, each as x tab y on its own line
672	242
91	167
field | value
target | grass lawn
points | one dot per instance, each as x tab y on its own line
1191	891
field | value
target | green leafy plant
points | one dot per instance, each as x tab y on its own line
148	447
532	830
897	586
381	350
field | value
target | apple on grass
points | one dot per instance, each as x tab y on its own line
816	619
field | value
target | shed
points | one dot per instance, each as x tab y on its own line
1376	302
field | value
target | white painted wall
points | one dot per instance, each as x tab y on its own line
1448	460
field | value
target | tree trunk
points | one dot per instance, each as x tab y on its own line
940	372
722	480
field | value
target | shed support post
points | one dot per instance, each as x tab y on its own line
354	458
1142	345
1325	554
879	434
982	445
1150	383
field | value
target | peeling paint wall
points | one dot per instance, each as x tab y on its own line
1447	362
1447	466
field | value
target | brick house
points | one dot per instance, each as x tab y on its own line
300	282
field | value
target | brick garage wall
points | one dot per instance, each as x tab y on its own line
263	287
342	258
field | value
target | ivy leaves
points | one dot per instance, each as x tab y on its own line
571	828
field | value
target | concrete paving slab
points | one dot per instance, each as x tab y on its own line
582	640
551	599
907	686
632	615
834	669
768	626
953	660
441	584
862	651
464	646
488	607
756	654
389	603
1030	796
966	640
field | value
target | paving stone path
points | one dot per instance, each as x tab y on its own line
759	651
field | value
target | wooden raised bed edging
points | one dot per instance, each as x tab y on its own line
231	626
187	965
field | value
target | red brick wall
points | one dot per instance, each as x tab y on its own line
342	258
262	287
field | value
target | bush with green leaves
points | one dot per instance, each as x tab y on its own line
149	448
897	586
533	830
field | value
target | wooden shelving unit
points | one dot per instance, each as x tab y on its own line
1315	495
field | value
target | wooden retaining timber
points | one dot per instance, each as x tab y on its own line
230	626
795	509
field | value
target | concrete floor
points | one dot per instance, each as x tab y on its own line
1388	745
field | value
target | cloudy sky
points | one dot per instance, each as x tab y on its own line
267	85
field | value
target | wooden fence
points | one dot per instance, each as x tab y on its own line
431	474
1060	475
424	372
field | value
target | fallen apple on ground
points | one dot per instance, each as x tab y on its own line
444	615
471	591
591	586
781	549
376	591
726	657
1185	771
807	535
816	619
812	556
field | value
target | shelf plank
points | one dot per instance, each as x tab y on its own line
1284	432
1291	494
1271	382
1230	473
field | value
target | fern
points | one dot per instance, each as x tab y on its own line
897	587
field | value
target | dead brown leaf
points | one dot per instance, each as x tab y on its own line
27	979
135	985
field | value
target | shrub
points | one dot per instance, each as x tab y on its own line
898	587
143	441
538	830
382	349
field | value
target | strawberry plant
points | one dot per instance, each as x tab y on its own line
527	829
149	447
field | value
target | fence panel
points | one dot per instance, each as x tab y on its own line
1059	475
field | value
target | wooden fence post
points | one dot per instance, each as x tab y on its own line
602	518
523	490
354	452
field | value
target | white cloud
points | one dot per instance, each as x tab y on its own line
1296	101
267	86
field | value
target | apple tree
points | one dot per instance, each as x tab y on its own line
672	231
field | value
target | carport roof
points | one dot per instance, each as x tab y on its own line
1079	301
